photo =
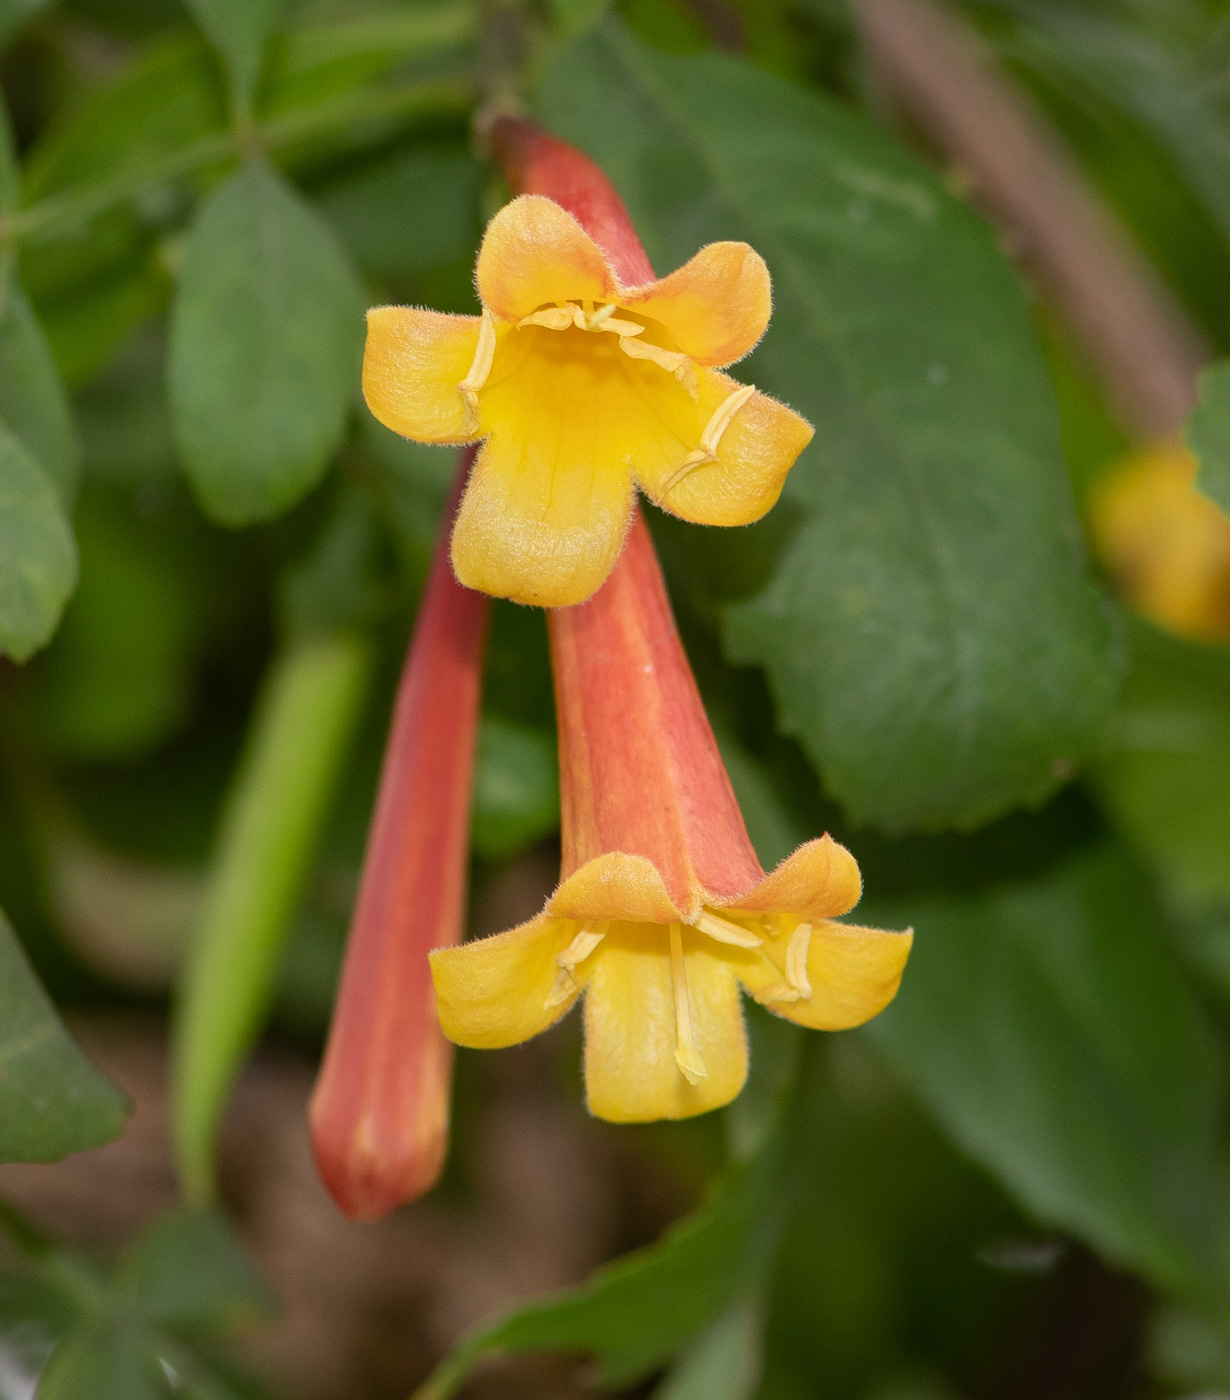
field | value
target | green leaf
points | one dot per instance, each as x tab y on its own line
106	1360
635	1313
15	13
724	1362
516	788
266	342
1208	434
410	213
189	1271
10	174
33	401
38	559
1047	1028
240	30
52	1100
932	634
1167	784
300	733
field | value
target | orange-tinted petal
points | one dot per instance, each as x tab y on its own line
631	1073
715	307
818	881
412	364
854	973
617	886
534	253
494	991
753	456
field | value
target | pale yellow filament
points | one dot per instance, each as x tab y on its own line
480	368
687	1057
576	952
725	932
711	437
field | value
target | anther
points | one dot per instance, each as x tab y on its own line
687	1057
673	361
712	435
480	368
724	931
576	952
796	960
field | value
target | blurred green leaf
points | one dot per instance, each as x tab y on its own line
635	1313
14	13
724	1362
38	559
104	1360
300	732
516	788
52	1100
10	175
189	1271
932	634
266	341
409	213
240	30
1047	1027
33	402
1167	782
1208	434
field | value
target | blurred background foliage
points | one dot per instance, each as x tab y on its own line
1013	1183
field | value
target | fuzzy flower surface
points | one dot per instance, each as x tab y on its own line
663	915
583	387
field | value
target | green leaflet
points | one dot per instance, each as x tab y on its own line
300	733
52	1100
1047	1027
33	402
637	1312
266	341
38	559
240	30
931	633
1208	434
1167	781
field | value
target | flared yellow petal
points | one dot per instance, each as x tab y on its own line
498	991
632	1074
412	365
534	254
733	480
853	974
616	886
820	880
715	307
549	500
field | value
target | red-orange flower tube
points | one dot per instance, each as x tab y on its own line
663	910
379	1115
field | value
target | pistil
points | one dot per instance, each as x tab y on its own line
687	1057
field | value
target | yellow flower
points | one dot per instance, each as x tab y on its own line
1167	545
583	389
663	911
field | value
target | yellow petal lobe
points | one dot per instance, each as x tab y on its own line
499	991
820	880
715	307
413	362
535	254
632	1074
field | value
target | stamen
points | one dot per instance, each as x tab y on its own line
711	436
554	318
673	361
687	1057
480	368
724	931
603	313
796	960
576	952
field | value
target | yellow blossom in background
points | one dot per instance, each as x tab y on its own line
584	389
1166	544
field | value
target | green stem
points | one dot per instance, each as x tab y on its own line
68	209
300	732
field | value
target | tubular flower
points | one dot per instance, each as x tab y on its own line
1166	543
586	377
379	1114
663	911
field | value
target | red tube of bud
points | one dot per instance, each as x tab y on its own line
379	1114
